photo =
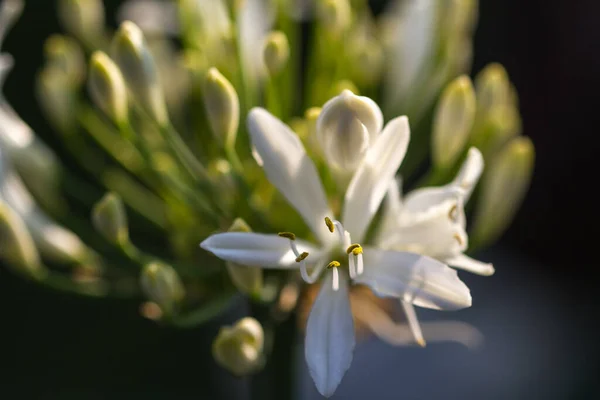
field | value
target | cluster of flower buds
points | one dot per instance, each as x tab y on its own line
201	121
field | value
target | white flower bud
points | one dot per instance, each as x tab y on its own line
137	65
247	279
276	52
239	348
503	188
162	285
335	15
346	127
83	18
110	219
107	87
222	105
453	121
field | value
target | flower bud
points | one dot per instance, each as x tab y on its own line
57	95
107	87
276	52
493	89
17	247
346	127
65	54
239	348
222	106
162	285
453	121
84	19
335	15
137	65
247	279
110	219
503	189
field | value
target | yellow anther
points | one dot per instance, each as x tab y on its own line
329	224
458	239
287	235
452	214
355	249
333	264
301	256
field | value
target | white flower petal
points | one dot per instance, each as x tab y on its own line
330	338
256	249
414	278
467	263
370	182
425	199
413	322
469	172
289	168
391	211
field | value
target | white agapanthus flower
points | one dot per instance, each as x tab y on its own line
413	278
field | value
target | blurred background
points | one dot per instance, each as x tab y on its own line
537	312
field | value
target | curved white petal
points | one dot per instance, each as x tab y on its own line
391	211
414	278
256	249
469	172
467	263
330	338
289	169
423	200
370	182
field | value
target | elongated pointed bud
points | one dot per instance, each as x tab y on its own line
162	285
84	19
57	96
493	88
346	127
247	279
239	348
17	247
131	53
107	87
276	52
335	15
67	55
453	121
110	219
222	106
503	188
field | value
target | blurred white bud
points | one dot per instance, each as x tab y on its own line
84	19
346	127
222	106
107	87
131	53
17	247
162	285
276	52
503	188
110	219
453	121
247	279
239	348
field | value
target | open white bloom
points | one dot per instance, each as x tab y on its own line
431	221
413	278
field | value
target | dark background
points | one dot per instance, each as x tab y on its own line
550	48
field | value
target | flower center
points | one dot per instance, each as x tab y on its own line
354	252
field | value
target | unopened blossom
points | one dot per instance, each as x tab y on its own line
338	260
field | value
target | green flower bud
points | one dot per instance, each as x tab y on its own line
335	15
137	65
57	94
17	247
222	105
162	285
66	55
84	19
493	89
247	279
453	121
276	52
239	348
110	219
503	188
107	87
